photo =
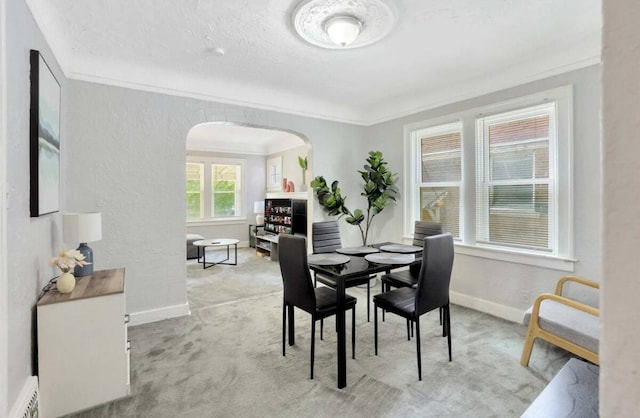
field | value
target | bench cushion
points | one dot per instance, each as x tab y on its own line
569	323
192	250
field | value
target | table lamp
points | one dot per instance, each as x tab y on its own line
258	209
82	228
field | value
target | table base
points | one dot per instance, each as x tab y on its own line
206	265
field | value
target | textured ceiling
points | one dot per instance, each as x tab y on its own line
439	51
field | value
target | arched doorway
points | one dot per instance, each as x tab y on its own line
263	155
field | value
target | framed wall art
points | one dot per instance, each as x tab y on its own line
274	174
44	133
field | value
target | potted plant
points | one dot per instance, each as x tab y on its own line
304	165
379	188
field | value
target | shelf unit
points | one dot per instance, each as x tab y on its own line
267	246
254	230
285	216
281	216
83	350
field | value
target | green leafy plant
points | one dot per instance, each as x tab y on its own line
379	189
303	165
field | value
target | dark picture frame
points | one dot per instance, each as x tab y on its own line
44	132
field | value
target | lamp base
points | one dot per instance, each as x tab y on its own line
259	220
80	271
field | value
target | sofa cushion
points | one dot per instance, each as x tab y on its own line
569	323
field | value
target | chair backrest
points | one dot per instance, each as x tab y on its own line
296	279
325	237
435	273
422	229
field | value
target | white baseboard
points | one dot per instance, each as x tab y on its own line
154	315
492	308
27	399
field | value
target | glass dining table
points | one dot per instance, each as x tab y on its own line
358	265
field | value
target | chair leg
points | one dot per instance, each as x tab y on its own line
418	348
375	328
313	342
527	348
443	320
448	321
315	280
368	298
440	310
321	327
408	332
291	325
385	287
353	333
284	327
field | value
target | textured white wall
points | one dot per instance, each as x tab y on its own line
4	324
128	154
30	242
620	365
511	285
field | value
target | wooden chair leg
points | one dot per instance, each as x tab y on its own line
313	342
528	344
375	328
418	348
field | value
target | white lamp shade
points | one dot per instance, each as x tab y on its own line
81	227
258	207
343	30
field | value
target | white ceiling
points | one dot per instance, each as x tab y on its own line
231	138
440	51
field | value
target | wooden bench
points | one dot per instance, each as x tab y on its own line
573	392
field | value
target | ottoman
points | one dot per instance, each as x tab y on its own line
192	250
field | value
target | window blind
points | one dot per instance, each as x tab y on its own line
514	204
440	176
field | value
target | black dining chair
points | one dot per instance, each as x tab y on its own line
409	278
326	239
431	292
299	292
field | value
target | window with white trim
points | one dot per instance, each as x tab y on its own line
440	174
498	178
214	188
514	175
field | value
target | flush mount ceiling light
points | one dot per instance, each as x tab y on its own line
336	24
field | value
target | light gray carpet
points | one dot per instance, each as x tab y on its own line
225	360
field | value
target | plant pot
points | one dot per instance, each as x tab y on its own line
66	283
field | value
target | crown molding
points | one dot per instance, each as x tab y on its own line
91	69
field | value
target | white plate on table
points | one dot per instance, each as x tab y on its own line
390	258
401	248
357	250
329	259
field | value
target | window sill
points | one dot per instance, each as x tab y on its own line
538	260
218	221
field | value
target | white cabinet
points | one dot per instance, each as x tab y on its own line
83	351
